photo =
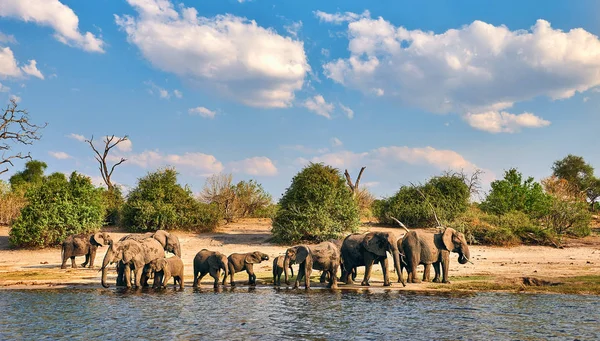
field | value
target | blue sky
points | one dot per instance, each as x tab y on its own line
261	88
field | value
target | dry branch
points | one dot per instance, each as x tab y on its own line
109	143
353	186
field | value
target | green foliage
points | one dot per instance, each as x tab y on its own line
269	211
576	171
113	201
317	206
32	175
159	202
57	208
251	197
448	194
514	194
568	216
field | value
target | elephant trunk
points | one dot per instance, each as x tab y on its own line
104	269
464	256
286	267
178	251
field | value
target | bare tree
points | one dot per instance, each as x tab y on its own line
353	186
109	143
473	180
16	128
218	189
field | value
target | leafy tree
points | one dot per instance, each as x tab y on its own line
251	197
515	194
33	174
57	208
159	202
317	206
575	170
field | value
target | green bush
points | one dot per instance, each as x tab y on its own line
159	202
57	208
269	211
317	206
113	202
448	194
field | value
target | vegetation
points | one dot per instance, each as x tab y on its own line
159	202
579	174
10	204
317	206
57	208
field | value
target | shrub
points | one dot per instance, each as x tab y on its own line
568	210
32	175
364	200
113	202
266	212
317	206
11	204
57	208
159	202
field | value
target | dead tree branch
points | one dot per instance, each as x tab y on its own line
109	143
400	223
353	186
15	128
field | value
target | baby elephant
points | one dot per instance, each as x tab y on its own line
278	270
244	261
164	269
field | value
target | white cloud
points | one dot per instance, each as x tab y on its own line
125	145
504	122
336	142
318	105
10	68
474	69
54	14
199	163
349	112
229	54
585	99
7	38
157	90
177	93
77	137
15	98
32	70
338	18
294	28
202	111
4	88
60	155
258	166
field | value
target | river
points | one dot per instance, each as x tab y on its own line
269	314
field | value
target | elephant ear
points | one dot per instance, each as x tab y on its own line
100	239
253	258
447	239
301	253
130	251
375	243
161	236
161	264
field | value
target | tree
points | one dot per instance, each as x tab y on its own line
15	128
251	197
473	180
33	174
317	206
109	143
575	170
354	186
218	189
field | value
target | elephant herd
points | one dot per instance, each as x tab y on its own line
144	257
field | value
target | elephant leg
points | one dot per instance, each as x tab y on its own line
87	259
426	272
445	268
92	257
368	265
436	269
181	285
323	277
64	260
197	278
299	277
73	265
333	277
251	275
127	275
384	268
215	273
138	276
413	271
231	272
164	281
307	273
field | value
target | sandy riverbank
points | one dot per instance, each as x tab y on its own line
574	268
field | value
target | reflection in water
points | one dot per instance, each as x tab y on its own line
272	314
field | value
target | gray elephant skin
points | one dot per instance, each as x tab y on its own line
210	262
432	249
84	244
324	256
366	250
134	255
245	261
278	270
164	269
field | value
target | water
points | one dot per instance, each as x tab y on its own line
268	314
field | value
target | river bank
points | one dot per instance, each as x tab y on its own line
572	269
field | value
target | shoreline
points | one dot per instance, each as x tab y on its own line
574	269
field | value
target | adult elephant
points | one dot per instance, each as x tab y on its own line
324	256
325	275
209	262
84	244
132	254
427	249
168	241
367	249
245	261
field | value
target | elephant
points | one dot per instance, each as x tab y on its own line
164	269
134	255
324	256
210	262
367	249
168	241
427	249
325	275
244	261
278	270
83	244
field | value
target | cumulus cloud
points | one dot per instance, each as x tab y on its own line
10	68
474	69
125	145
7	38
257	166
318	105
77	137
203	112
59	155
338	18
504	122
177	93
162	92
32	70
4	88
336	142
199	163
349	112
232	55
294	28
56	15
